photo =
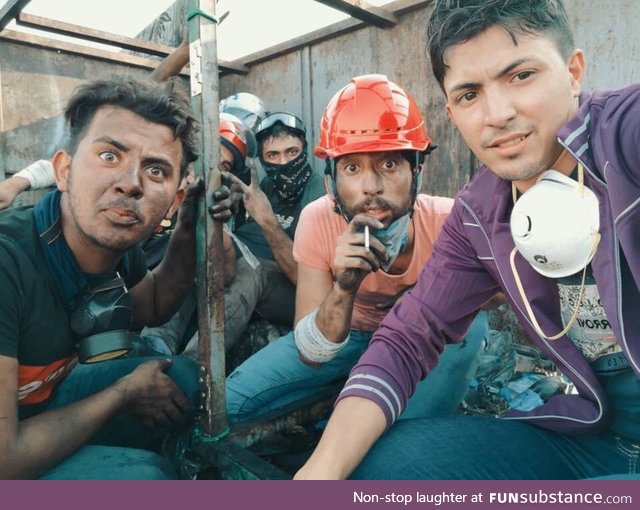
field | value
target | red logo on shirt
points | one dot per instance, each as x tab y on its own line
35	384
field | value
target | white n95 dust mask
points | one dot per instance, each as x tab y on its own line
555	226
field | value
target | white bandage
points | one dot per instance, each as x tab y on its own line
39	174
312	344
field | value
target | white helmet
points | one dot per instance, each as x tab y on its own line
555	225
248	107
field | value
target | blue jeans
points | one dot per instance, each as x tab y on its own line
119	450
485	448
275	376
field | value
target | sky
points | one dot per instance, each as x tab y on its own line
252	25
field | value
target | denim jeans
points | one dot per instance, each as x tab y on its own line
275	376
119	450
264	290
485	448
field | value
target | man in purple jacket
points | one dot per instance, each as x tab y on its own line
553	220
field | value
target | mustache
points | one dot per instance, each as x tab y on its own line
373	203
123	203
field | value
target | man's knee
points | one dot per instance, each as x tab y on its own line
184	372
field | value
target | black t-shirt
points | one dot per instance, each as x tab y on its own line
34	325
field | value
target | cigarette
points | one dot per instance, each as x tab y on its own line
366	238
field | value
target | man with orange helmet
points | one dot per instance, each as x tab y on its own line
358	249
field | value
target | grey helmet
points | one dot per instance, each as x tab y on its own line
248	107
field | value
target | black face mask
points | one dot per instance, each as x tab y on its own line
289	180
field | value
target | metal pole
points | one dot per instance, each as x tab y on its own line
204	99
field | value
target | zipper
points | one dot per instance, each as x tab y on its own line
616	258
565	362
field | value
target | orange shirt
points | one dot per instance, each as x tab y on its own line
314	246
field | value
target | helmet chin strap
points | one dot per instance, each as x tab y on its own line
416	184
521	290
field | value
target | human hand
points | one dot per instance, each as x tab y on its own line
152	396
225	202
352	261
187	210
255	201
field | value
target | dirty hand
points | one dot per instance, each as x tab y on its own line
225	202
352	261
152	396
255	201
187	210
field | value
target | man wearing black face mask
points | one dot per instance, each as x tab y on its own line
273	207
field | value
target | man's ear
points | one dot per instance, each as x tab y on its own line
576	66
177	202
328	185
61	164
448	109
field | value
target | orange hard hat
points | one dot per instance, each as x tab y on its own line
371	114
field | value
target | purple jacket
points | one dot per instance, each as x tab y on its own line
471	262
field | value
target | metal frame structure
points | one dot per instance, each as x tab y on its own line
214	443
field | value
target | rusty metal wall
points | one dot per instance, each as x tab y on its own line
34	86
34	83
303	81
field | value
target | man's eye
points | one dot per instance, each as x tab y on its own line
523	75
389	164
154	171
108	156
467	97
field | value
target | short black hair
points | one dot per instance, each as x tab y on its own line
161	103
278	130
454	22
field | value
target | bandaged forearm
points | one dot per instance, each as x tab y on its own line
39	174
312	343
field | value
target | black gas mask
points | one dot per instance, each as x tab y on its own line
100	321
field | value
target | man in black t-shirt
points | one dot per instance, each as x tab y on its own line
73	278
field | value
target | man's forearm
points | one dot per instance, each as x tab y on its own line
334	314
172	63
174	275
47	438
10	188
281	247
355	425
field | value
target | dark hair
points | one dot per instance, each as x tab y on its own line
160	103
456	21
278	130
